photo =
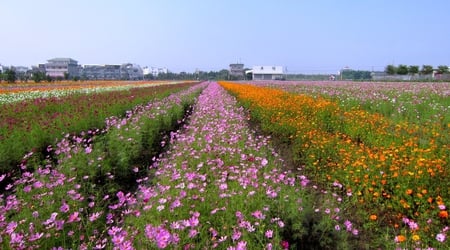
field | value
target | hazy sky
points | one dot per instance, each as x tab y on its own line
315	36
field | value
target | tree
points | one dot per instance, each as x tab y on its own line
391	69
66	76
10	75
38	76
356	75
413	69
426	69
443	69
402	69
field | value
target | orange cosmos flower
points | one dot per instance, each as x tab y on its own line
443	214
400	238
373	217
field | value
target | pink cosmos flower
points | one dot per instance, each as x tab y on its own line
192	233
73	217
236	235
269	234
264	162
242	245
440	237
258	215
64	208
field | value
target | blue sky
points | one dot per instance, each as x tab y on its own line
320	36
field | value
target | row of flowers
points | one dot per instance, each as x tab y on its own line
416	102
68	199
391	172
218	185
34	124
21	92
222	186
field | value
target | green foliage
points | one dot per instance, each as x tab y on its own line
391	69
10	76
355	75
38	76
413	69
200	75
443	69
426	69
402	69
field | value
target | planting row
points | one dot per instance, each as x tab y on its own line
218	185
68	199
221	186
418	103
21	92
394	174
34	124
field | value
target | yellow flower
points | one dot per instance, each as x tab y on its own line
415	237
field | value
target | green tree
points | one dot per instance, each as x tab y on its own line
426	69
38	76
48	78
413	69
443	69
402	69
66	76
391	69
10	76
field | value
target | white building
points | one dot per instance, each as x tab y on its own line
130	71
267	72
155	71
59	67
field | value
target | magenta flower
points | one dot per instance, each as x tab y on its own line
11	227
73	217
64	208
236	235
242	245
269	234
258	215
192	233
285	244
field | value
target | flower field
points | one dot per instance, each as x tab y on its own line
23	91
393	170
39	119
283	165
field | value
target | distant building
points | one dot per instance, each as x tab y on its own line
129	71
237	70
112	71
94	72
267	72
59	67
154	71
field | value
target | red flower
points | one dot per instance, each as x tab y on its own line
285	244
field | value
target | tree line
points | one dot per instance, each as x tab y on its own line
11	76
403	69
